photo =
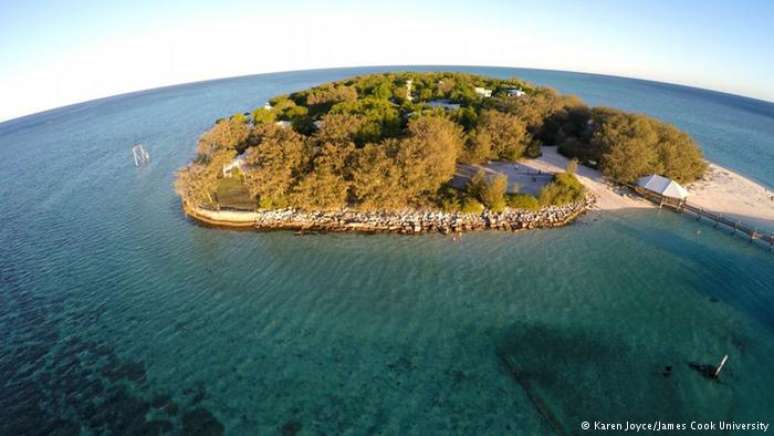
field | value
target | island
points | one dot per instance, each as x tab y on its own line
414	152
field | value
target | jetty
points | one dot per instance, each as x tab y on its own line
681	205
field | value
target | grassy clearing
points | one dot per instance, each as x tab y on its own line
232	193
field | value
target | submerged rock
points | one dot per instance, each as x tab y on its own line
200	422
290	428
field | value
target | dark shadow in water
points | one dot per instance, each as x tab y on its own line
54	385
571	375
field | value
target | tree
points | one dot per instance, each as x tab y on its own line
330	94
339	128
628	147
536	108
275	163
380	118
327	185
572	166
197	182
263	115
507	133
633	146
229	133
680	157
427	157
478	148
376	180
490	191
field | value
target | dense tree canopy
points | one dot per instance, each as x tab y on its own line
628	146
393	140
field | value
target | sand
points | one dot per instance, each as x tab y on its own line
609	196
734	196
721	191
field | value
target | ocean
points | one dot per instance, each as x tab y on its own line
118	315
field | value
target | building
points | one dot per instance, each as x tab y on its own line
443	104
666	189
483	92
237	163
284	124
515	92
409	84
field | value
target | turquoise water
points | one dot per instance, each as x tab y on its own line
119	316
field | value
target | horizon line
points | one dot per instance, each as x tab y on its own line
241	76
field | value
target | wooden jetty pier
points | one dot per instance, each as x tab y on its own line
681	206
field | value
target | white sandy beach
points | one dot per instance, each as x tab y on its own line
732	195
721	191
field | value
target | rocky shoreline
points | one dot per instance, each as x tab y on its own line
403	222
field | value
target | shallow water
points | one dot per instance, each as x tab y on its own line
118	315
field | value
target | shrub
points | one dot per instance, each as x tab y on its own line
492	193
533	150
572	166
565	188
471	205
523	201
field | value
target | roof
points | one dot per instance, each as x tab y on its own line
483	91
443	104
663	186
238	162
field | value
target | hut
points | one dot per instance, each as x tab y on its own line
663	189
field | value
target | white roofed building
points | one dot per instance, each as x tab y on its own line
515	92
483	92
663	186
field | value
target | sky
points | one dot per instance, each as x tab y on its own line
55	53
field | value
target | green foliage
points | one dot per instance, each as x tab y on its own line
563	189
380	118
507	133
362	143
376	180
493	193
629	146
467	117
227	134
471	205
269	202
327	185
572	166
232	193
276	163
490	191
523	201
449	199
263	115
533	150
478	148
